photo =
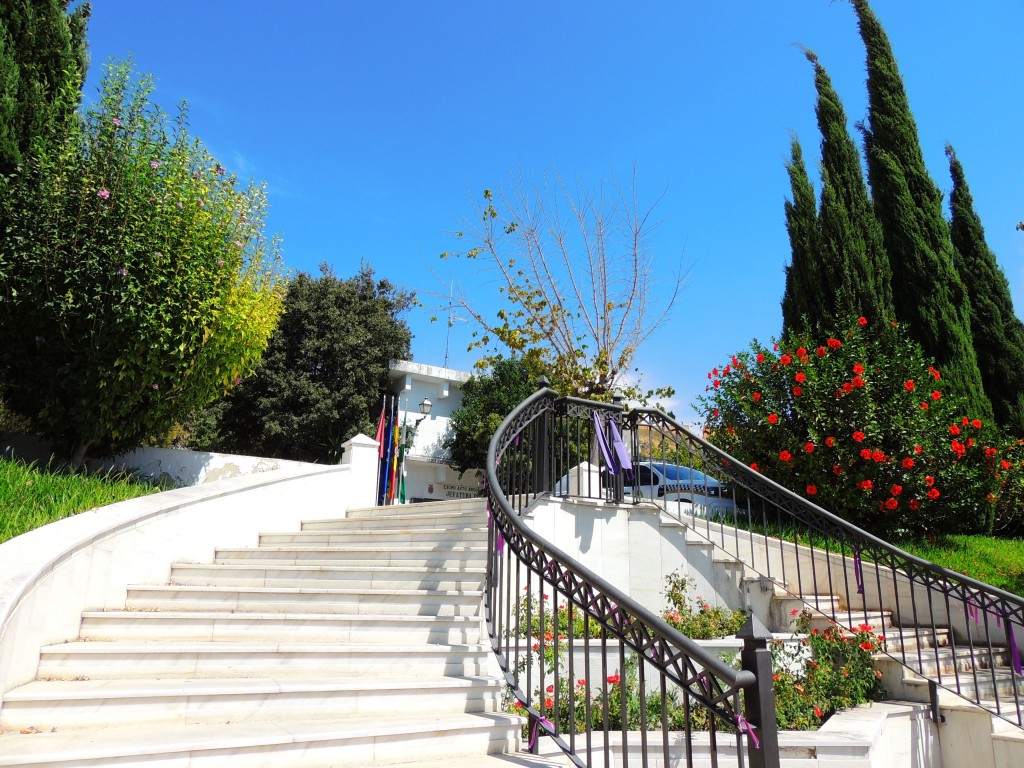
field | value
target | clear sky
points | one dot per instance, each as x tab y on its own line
377	124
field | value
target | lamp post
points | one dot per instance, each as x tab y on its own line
410	434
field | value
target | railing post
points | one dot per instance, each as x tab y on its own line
542	448
759	702
618	489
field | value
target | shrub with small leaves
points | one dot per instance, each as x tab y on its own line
135	280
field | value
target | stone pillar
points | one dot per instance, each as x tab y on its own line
360	456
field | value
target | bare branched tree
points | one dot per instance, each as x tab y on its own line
577	280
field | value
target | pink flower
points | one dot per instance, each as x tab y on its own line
154	164
103	194
116	121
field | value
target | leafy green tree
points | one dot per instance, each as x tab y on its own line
135	280
43	61
849	241
323	373
576	279
804	278
997	333
862	424
486	400
928	295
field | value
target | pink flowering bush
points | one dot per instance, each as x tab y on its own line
860	424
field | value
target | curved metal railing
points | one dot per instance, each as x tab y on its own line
591	667
958	633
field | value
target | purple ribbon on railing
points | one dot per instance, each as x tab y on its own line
857	571
744	726
602	443
499	541
704	683
535	728
1011	639
620	449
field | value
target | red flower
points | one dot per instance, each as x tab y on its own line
551	689
797	391
730	430
914	504
785	456
834	343
1004	463
865	485
817	711
896	490
918	449
933	494
760	357
757	396
924	405
908	385
582	683
862	321
773	418
954	430
613	679
858	369
801	352
794	612
715	413
865	453
801	377
867	645
908	463
820	351
753	466
934	373
847	387
858	436
809	447
837	470
549	702
716	383
830	441
976	423
785	359
936	395
929	481
811	490
857	381
878	457
891	503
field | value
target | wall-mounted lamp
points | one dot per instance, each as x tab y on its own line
425	407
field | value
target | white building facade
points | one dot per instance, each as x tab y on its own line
427	476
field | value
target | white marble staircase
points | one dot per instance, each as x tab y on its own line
353	642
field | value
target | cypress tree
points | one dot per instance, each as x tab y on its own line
850	236
803	279
928	294
42	68
997	332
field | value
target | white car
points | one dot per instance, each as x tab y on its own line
660	481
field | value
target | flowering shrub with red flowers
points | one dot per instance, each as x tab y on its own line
860	423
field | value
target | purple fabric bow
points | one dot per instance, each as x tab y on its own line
744	726
857	572
1011	640
602	443
536	727
620	449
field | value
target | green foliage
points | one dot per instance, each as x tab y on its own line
704	623
862	425
996	332
135	281
823	673
928	295
323	373
31	497
804	277
995	561
486	400
42	67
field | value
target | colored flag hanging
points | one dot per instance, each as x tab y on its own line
381	427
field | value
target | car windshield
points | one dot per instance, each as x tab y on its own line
673	473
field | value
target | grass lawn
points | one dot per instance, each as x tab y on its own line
999	562
31	497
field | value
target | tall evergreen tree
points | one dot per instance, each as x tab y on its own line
928	295
997	332
804	282
850	237
42	68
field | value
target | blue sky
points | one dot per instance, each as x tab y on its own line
376	125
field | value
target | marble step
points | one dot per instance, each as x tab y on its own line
437	537
63	704
345	743
327	576
299	627
878	621
452	520
112	660
429	507
913	638
423	602
424	556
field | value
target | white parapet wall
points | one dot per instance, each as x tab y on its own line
48	576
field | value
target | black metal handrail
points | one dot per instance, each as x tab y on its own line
591	667
959	633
